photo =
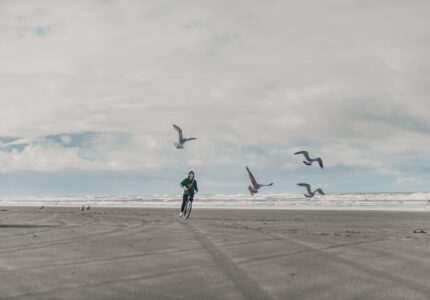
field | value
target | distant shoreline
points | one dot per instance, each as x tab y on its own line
235	208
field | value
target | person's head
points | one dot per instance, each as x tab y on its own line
191	175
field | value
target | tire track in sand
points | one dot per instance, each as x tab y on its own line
86	237
325	252
249	288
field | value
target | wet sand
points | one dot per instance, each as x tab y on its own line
59	253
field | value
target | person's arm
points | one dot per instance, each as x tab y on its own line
195	186
183	185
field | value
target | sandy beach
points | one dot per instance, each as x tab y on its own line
114	253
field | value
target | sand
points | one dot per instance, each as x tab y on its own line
106	253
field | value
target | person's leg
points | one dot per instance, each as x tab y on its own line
191	198
184	200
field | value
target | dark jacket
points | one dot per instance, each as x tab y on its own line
191	185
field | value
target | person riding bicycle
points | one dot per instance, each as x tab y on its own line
189	185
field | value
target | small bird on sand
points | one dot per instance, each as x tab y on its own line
42	207
182	140
310	160
310	193
255	185
88	207
82	208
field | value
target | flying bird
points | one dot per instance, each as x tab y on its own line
310	160
255	185
182	140
310	193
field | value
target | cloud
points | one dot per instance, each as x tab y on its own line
90	151
97	84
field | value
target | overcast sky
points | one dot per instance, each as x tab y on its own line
89	91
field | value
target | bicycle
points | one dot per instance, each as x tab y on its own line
187	209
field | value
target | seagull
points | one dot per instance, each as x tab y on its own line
88	207
255	185
309	160
182	140
310	193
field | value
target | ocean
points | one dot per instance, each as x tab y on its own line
347	201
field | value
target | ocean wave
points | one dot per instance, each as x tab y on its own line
402	201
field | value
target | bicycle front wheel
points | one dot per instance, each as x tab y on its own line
187	209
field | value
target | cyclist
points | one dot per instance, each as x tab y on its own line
189	185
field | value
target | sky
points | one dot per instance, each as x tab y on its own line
89	91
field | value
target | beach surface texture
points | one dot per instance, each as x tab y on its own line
149	253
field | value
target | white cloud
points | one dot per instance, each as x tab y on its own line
238	75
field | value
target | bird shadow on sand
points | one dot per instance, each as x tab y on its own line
24	226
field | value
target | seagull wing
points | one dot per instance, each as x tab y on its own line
319	191
179	130
270	184
251	177
305	153
307	186
319	160
189	139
